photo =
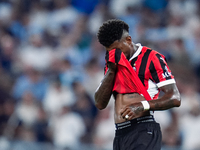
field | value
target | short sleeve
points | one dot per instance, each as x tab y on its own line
160	72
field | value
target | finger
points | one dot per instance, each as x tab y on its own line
131	115
126	112
123	110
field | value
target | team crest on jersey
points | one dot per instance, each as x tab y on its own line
134	66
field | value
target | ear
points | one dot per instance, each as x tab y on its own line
129	39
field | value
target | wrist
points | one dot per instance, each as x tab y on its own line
146	105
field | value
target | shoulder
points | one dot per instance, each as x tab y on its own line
153	53
146	51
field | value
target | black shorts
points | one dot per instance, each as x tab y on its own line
138	134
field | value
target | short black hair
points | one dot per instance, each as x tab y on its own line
111	30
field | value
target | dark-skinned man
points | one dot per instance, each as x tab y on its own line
136	128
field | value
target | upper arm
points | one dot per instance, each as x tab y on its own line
162	76
160	72
171	92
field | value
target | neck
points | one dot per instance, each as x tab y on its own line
135	47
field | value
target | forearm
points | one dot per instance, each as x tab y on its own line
163	103
104	91
170	99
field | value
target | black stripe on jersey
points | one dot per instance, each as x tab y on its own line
107	56
133	61
143	65
163	65
153	72
118	53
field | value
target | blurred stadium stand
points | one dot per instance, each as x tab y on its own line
51	64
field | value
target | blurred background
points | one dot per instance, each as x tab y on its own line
51	64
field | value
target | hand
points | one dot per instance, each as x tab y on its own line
112	66
133	111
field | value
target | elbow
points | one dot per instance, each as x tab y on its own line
177	100
177	97
177	103
99	106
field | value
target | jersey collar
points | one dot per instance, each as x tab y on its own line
137	51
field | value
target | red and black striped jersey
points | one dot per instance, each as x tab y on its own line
152	69
126	79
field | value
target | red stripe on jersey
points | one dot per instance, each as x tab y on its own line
163	71
141	63
126	80
151	65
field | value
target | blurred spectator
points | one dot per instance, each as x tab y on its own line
37	18
67	129
177	27
119	7
41	126
7	52
42	39
68	42
18	26
27	110
69	74
68	48
189	118
6	84
93	72
5	12
164	48
96	52
170	128
63	14
36	54
85	107
187	8
192	46
180	54
32	80
101	13
6	110
20	21
104	128
56	97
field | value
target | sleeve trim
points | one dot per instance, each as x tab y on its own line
166	82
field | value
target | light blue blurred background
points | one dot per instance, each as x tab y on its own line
51	64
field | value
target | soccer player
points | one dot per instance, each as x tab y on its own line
136	128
